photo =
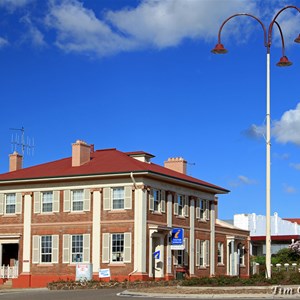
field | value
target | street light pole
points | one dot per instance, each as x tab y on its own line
284	62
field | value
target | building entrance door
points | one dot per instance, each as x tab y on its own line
158	257
10	254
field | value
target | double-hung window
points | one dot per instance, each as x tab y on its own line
220	253
77	200
241	250
77	248
180	201
46	248
118	198
10	203
156	200
47	202
202	209
117	247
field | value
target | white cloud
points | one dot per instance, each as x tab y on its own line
290	23
34	34
295	166
79	30
3	42
242	180
287	129
152	23
255	131
289	189
14	4
164	23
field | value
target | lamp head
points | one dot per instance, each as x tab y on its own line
219	49
284	62
297	39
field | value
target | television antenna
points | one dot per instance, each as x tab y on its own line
18	142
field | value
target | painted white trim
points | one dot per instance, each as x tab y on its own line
192	238
27	233
96	245
140	225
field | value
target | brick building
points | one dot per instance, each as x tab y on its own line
113	210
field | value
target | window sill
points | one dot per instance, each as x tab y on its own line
117	211
9	215
45	265
202	221
220	265
116	264
81	212
181	217
44	214
202	268
156	213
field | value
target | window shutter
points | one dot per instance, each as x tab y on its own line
186	206
105	248
127	247
1	203
35	249
55	245
18	203
198	209
106	198
128	197
37	202
151	200
186	252
86	200
86	248
67	200
197	252
66	248
56	198
163	201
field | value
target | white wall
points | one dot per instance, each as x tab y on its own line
256	224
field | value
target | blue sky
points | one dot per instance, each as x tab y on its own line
139	75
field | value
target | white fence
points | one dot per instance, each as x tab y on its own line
9	272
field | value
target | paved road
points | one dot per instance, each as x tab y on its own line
103	294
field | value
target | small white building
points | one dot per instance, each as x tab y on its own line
283	232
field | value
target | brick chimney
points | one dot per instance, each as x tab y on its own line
15	161
177	164
81	153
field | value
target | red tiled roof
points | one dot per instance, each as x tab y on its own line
276	238
107	161
293	220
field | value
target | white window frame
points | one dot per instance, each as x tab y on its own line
220	258
37	251
44	201
47	247
7	196
156	200
113	199
207	253
202	207
242	255
107	251
78	248
117	256
76	201
202	254
181	205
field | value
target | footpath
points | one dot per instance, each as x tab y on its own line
242	292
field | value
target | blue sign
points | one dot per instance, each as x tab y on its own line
177	236
156	254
